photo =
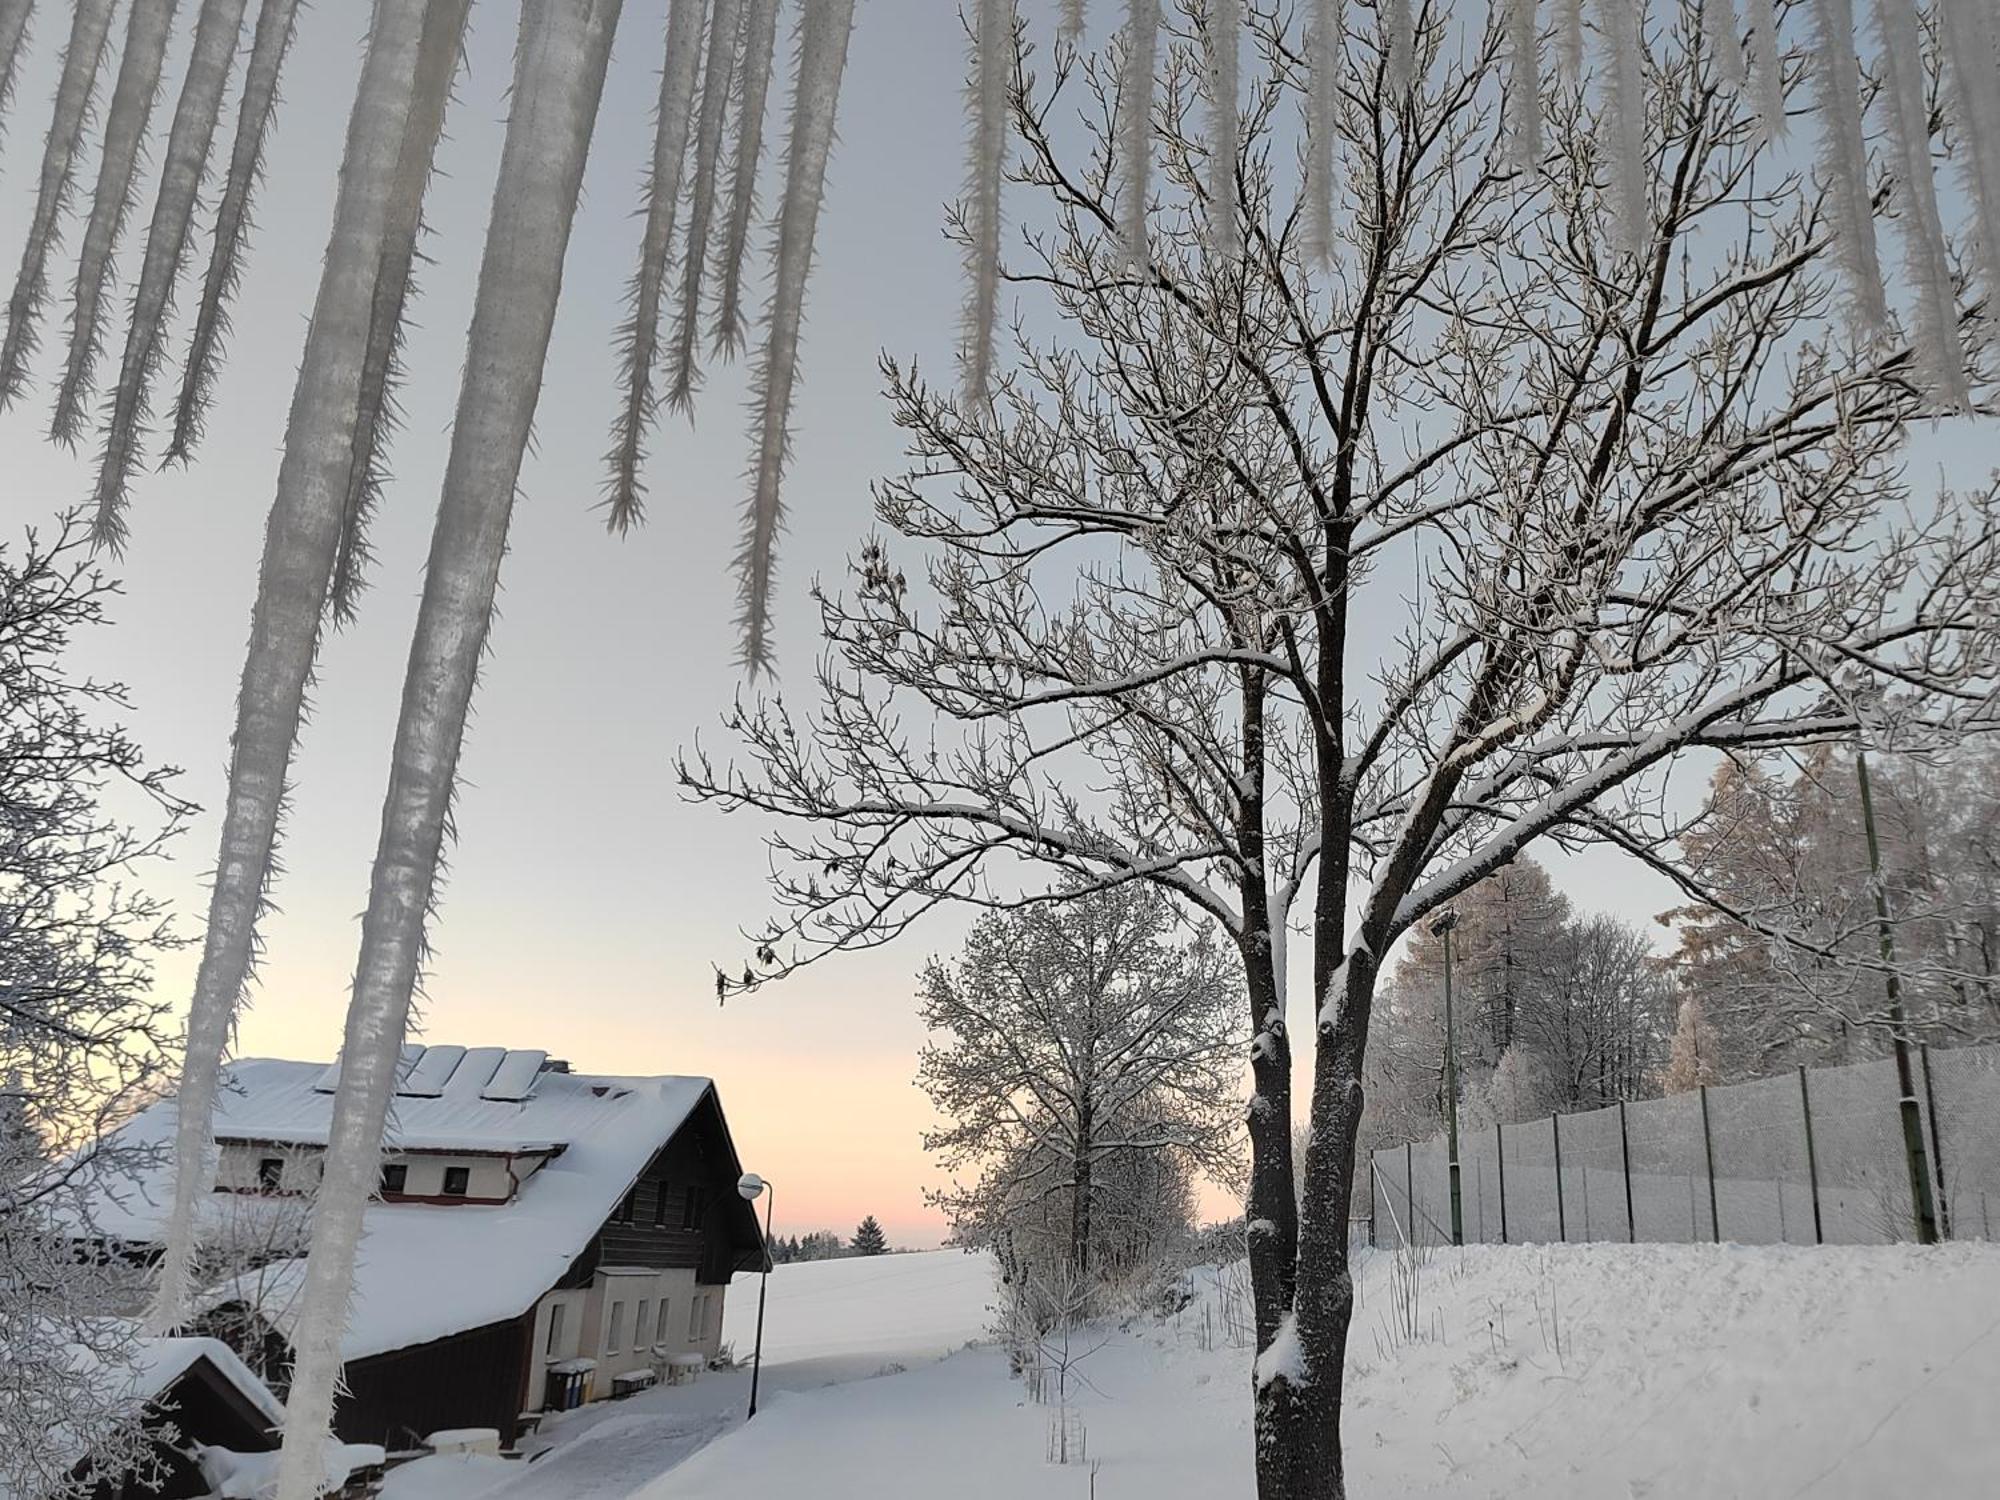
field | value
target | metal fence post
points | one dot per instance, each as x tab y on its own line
1812	1156
1708	1155
1625	1158
1374	1238
1562	1221
1500	1156
1410	1189
1937	1145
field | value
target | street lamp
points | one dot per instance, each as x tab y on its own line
750	1185
1442	926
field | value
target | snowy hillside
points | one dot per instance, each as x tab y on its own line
1582	1372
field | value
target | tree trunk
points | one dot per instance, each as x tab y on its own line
1079	1210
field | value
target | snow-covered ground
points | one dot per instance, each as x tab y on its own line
827	1322
1567	1371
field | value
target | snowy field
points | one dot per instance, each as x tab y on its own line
1595	1372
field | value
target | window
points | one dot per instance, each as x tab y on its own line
697	1313
660	1329
555	1330
630	1207
456	1181
691	1209
396	1177
659	1205
639	1324
270	1174
614	1339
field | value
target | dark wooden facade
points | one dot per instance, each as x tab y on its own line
202	1405
477	1378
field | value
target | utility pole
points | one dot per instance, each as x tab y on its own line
1913	1125
1442	926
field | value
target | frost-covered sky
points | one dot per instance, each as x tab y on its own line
585	901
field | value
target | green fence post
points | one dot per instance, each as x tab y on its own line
1500	1156
1812	1156
1937	1145
1708	1155
1562	1221
1625	1158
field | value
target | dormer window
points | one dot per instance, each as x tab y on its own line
457	1180
395	1178
270	1174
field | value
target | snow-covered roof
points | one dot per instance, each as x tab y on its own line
157	1363
425	1270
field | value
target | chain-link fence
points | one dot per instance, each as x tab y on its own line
1806	1158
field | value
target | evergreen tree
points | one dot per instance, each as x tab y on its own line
869	1239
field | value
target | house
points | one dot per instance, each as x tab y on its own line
538	1234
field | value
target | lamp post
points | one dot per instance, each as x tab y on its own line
1442	926
749	1185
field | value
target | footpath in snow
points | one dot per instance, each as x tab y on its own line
1594	1372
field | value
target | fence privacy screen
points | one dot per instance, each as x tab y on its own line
1810	1157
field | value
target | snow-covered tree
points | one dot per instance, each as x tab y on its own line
1599	441
1074	1041
84	1038
869	1238
1692	1059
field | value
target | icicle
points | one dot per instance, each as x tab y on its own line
1569	40
1844	160
438	58
1718	20
1135	127
132	97
1624	112
1767	68
760	34
1074	22
823	34
216	29
1524	85
13	38
1940	356
992	69
639	340
1972	72
300	540
725	38
89	26
1325	48
1399	45
558	84
277	21
1225	63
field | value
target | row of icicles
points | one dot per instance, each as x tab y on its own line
688	298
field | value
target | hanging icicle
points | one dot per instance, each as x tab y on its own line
277	21
1767	68
760	34
216	30
301	538
1971	51
1225	64
1569	40
725	39
1718	23
1940	356
639	340
1135	128
89	26
559	70
1524	85
1843	154
823	33
1399	45
1624	113
132	97
1074	22
992	68
439	55
1325	49
13	38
